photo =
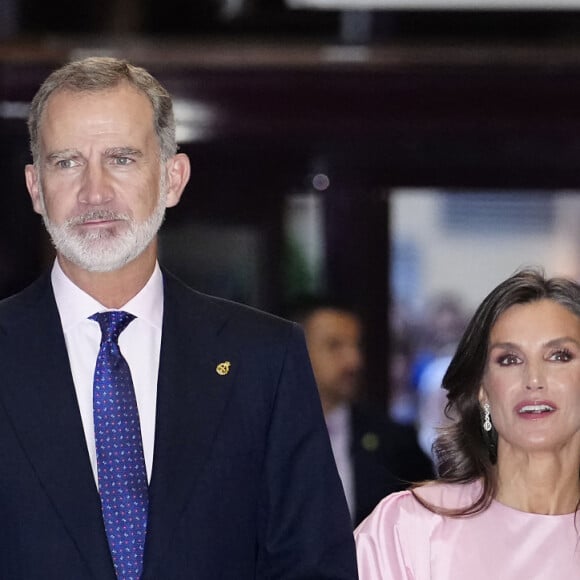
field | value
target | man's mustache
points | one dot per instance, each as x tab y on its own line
97	215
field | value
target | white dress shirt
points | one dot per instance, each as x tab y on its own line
140	344
339	430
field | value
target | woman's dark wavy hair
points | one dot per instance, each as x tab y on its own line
463	451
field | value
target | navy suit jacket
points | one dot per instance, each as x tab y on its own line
243	486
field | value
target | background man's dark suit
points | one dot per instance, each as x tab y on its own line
386	458
243	484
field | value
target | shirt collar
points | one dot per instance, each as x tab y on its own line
75	305
337	420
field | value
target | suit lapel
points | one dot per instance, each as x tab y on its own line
191	398
39	398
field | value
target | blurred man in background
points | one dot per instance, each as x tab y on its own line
374	455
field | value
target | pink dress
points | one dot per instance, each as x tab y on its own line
401	540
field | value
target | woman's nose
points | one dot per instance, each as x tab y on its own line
535	379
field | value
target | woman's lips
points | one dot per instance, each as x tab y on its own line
535	409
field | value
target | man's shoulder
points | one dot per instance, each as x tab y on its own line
366	416
227	313
394	443
22	303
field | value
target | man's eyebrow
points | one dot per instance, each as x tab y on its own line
123	151
62	154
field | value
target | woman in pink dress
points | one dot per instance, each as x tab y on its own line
506	501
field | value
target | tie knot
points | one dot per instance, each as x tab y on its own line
112	323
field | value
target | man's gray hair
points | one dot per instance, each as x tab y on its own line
98	74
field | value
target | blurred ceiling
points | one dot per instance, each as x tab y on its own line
275	19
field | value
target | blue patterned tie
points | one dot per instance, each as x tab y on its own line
120	461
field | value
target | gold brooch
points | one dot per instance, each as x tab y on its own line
223	368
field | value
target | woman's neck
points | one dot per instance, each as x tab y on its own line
541	483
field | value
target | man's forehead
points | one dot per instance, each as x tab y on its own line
66	109
69	93
65	132
334	316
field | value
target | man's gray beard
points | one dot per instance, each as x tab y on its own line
102	250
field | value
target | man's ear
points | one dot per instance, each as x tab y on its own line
178	171
33	185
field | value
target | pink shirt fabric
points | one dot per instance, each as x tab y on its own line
402	540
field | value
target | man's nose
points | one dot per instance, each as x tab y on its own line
354	357
96	187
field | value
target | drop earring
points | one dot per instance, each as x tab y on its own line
486	417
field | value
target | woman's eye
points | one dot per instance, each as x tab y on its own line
561	356
508	359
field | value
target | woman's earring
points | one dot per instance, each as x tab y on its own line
486	417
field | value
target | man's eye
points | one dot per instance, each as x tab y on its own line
122	160
66	163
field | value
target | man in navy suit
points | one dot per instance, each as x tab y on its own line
241	478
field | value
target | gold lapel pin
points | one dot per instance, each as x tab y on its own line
223	368
370	442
